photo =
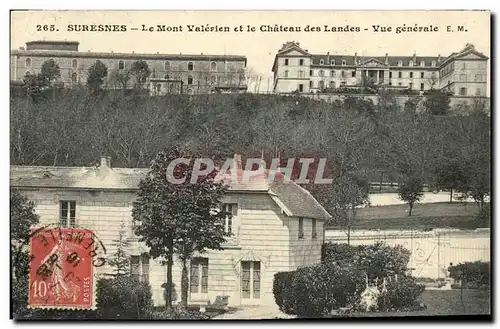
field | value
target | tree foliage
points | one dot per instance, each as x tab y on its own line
140	70
120	261
50	72
437	102
178	218
410	190
96	75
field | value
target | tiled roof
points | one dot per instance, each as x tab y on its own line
293	199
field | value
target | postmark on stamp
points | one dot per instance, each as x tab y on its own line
62	265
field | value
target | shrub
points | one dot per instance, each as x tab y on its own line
401	295
377	260
473	275
321	288
123	297
283	293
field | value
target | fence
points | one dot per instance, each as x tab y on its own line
431	251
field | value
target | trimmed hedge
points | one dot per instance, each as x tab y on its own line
282	290
474	275
123	298
314	291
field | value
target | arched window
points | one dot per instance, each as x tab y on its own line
422	63
190	91
190	80
28	62
332	62
343	62
121	65
410	63
166	77
74	63
400	63
27	73
321	73
190	66
167	65
74	77
433	63
321	62
213	66
213	79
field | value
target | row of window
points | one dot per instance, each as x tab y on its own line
314	233
343	74
121	65
344	62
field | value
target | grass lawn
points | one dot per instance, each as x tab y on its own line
446	302
424	216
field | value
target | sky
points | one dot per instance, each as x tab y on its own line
260	47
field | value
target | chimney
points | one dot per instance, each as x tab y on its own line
414	58
355	58
386	58
439	58
237	162
328	58
105	162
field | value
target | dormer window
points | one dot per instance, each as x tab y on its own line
321	62
422	63
400	63
343	62
410	63
332	62
433	64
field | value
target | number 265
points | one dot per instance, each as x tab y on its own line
40	28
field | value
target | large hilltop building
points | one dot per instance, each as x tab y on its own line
170	73
464	73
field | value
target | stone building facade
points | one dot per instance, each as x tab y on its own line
190	74
463	73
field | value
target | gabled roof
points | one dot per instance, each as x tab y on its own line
292	199
288	47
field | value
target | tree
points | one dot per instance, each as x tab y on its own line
437	102
120	260
411	190
450	175
32	84
178	218
343	197
22	218
96	75
140	69
121	78
50	72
